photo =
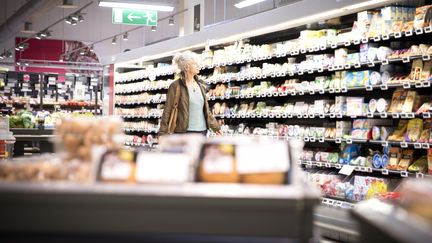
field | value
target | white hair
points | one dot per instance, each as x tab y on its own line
182	59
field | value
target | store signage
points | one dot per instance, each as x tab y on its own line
134	17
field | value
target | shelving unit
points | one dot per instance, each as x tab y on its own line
277	97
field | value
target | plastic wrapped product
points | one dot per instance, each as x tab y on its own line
414	130
376	161
385	77
382	105
429	158
384	160
419	166
383	52
407	158
372	54
385	132
376	133
372	105
375	78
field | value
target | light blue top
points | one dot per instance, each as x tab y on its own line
197	120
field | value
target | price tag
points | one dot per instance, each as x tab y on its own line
384	87
395	115
364	40
302	51
419	31
425	145
270	115
332	115
285	93
312	139
318	164
426	84
408	33
349	141
328	165
417	145
385	62
306	139
385	37
338	140
242	96
426	115
377	38
321	115
428	29
397	35
426	57
321	140
357	42
419	175
404	174
293	93
258	116
301	93
321	91
252	116
383	115
312	92
410	115
384	171
404	144
371	64
290	115
290	73
347	170
406	59
331	90
347	43
312	116
331	68
334	46
284	115
418	85
295	52
406	85
347	66
363	169
384	143
339	115
310	49
300	72
310	71
323	47
278	115
299	116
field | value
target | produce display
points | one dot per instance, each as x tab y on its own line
28	119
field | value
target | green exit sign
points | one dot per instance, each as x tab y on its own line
134	17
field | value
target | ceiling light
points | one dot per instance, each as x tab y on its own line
92	48
26	64
247	3
2	56
43	34
82	52
68	4
17	48
364	4
61	58
68	20
171	21
74	23
153	28
75	17
80	18
125	36
9	54
157	6
28	28
18	63
114	40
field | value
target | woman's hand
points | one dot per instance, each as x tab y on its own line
219	133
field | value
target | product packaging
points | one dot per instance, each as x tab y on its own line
419	166
395	155
406	160
399	133
429	158
414	130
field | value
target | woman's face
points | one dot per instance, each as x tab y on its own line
193	68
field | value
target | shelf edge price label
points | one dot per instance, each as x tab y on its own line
356	42
397	35
321	91
384	171
337	90
364	40
369	169
377	38
338	166
395	115
357	65
419	175
370	115
306	139
406	85
385	62
418	85
404	144
369	87
318	164
385	37
338	140
426	84
426	115
406	59
339	115
320	70
425	145
419	31
383	115
428	29
344	89
331	90
321	140
426	57
417	145
321	115
404	174
312	139
349	141
384	143
408	33
384	87
332	115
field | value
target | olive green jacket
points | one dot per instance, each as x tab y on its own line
183	109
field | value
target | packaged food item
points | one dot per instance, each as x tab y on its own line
377	161
399	133
429	158
117	166
421	16
372	105
425	135
409	101
419	166
406	160
350	152
414	130
416	70
382	105
385	132
426	72
397	101
354	106
376	133
395	155
218	164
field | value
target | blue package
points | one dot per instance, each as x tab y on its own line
384	160
377	161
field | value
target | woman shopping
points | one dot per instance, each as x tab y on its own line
186	108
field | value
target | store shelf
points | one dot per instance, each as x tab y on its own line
142	77
337	203
140	130
328	115
142	117
407	85
321	48
141	102
371	170
210	209
145	145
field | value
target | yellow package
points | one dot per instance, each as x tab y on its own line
398	134
407	158
414	130
419	166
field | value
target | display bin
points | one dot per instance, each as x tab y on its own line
195	212
384	222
